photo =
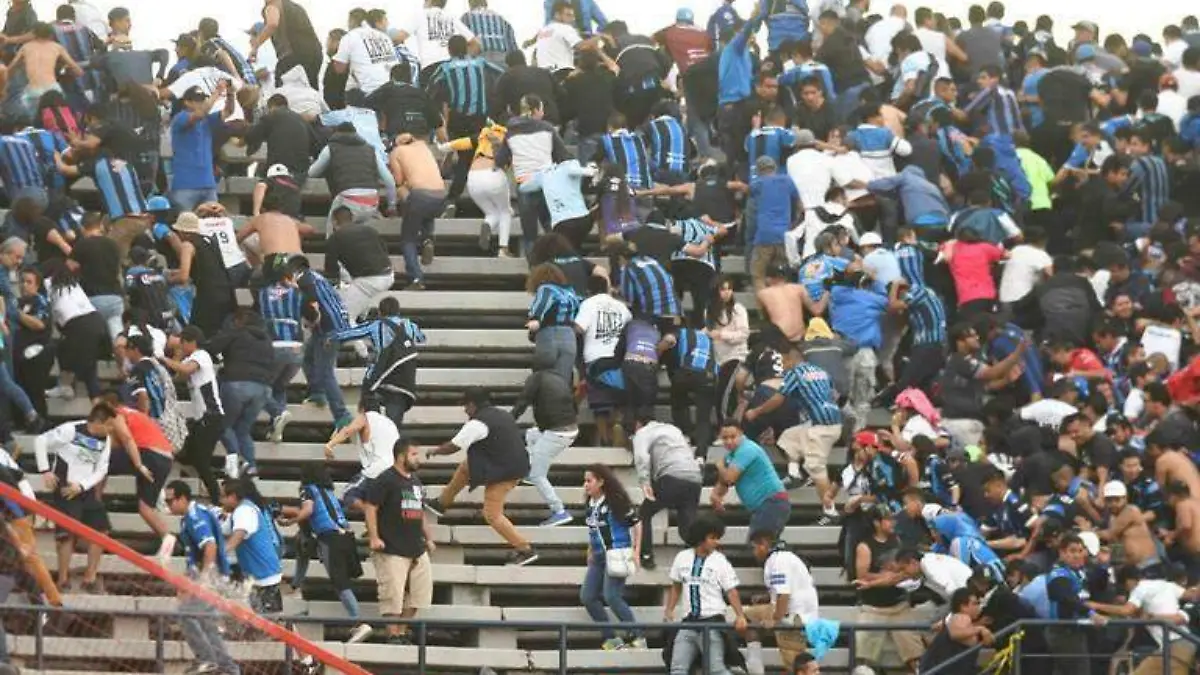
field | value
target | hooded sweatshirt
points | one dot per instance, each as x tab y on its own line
550	395
922	200
247	353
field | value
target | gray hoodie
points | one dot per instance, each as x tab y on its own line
918	196
661	449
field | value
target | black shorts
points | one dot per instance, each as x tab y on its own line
356	490
159	465
87	508
266	600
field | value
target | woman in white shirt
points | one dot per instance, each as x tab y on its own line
729	328
81	327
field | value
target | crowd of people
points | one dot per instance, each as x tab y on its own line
992	236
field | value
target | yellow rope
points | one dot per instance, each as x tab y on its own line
1001	662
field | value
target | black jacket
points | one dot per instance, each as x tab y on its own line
502	455
522	80
405	109
288	137
247	354
351	164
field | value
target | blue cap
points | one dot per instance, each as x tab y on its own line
1085	52
1143	48
158	203
685	15
257	28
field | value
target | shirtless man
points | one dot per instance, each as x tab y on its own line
1127	526
273	239
419	182
1172	465
42	57
1183	543
784	304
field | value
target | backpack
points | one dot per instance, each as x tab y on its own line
173	422
395	367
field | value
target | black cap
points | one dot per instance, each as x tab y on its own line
194	94
477	395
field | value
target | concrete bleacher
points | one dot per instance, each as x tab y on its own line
473	316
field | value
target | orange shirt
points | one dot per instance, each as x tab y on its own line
147	435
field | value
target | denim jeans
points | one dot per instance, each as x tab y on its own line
600	590
557	344
320	360
421	211
9	389
189	199
544	447
243	402
701	132
288	360
111	307
689	646
531	207
204	638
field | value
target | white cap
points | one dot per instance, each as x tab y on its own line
278	170
931	511
1115	488
1091	541
870	239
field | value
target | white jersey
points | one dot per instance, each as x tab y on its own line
434	28
370	56
376	455
785	573
221	230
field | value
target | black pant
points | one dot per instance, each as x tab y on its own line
213	305
463	126
695	277
690	387
641	390
636	105
575	230
924	364
197	452
33	375
681	496
726	391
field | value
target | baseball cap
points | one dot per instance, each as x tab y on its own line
870	239
1088	26
194	94
765	163
867	439
257	28
1038	52
1115	488
278	170
1142	48
1085	52
685	15
805	138
158	203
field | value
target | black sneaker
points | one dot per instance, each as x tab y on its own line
435	507
427	252
522	558
827	519
399	641
795	482
648	563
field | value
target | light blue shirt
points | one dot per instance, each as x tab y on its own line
757	480
560	185
366	125
883	266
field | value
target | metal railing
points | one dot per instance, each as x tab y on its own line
420	633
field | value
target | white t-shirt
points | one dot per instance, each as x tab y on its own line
934	42
879	36
370	55
221	229
785	573
1022	270
917	425
471	433
705	583
158	338
207	78
1135	404
206	394
944	574
1048	412
376	455
849	167
69	303
1189	82
812	172
1157	596
555	47
601	318
435	27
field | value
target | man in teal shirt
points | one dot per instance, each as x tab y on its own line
749	470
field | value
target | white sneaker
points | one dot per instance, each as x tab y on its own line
233	466
64	392
281	423
361	632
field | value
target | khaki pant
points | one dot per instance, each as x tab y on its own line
762	258
124	231
404	583
791	641
816	442
869	645
494	496
1182	654
27	539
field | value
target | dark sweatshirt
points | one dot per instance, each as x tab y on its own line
247	354
551	397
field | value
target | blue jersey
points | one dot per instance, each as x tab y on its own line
317	290
695	232
20	164
120	191
46	143
1012	518
816	269
812	389
198	529
382	332
258	554
668	145
494	32
926	316
626	150
693	351
323	520
649	288
1076	580
938	481
1145	493
768	141
804	71
465	85
282	308
554	305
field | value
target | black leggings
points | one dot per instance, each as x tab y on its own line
669	493
727	399
695	277
198	449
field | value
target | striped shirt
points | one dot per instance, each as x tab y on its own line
649	288
554	305
693	351
403	55
812	389
798	74
626	150
465	85
999	109
144	377
1150	182
695	232
668	145
494	32
926	316
317	290
242	67
768	141
282	308
120	193
46	143
381	332
80	42
20	165
912	263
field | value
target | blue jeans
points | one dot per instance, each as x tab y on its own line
599	590
288	361
320	360
10	390
203	638
531	208
111	307
189	199
243	402
558	345
701	132
847	102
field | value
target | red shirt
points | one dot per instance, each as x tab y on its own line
147	435
1086	360
971	266
687	45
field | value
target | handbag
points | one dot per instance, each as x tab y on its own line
618	562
